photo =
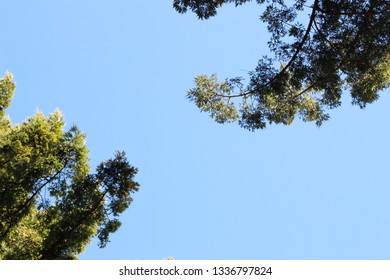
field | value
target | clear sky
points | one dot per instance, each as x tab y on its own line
120	69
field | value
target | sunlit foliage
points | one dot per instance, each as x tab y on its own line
343	46
50	204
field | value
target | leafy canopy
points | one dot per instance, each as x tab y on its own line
50	205
344	46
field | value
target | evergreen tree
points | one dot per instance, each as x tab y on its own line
50	204
344	46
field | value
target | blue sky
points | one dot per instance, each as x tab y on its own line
120	70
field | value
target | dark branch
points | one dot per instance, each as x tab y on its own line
295	55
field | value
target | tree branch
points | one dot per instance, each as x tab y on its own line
295	55
300	46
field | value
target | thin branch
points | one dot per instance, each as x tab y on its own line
303	91
234	95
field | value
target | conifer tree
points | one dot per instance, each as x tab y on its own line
50	204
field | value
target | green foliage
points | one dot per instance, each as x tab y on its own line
7	87
203	9
50	204
210	97
344	46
